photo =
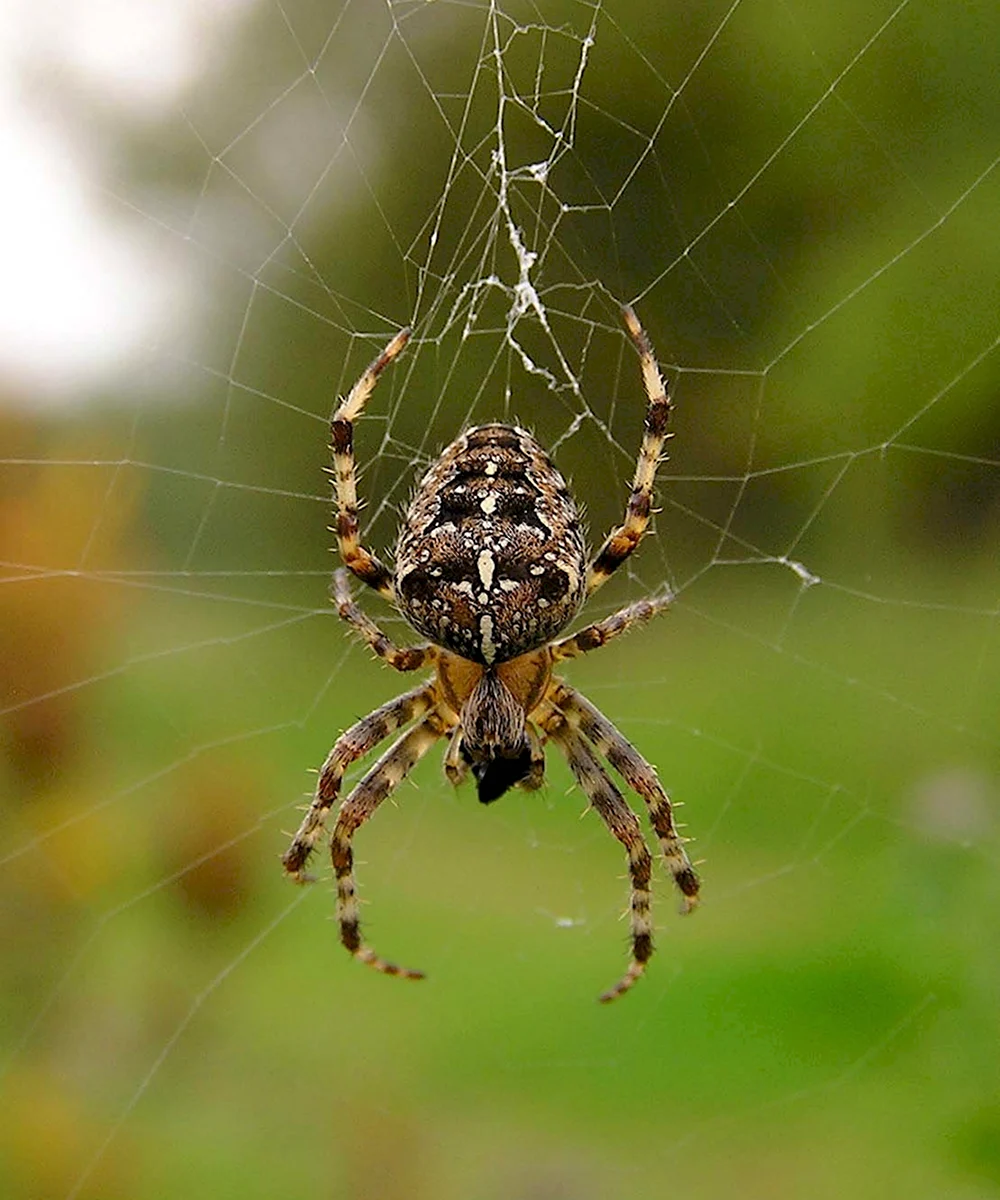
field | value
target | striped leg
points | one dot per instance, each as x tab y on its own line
536	773
356	558
641	777
455	766
596	635
353	744
620	543
407	658
624	824
387	774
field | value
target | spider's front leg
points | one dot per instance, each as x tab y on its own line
356	557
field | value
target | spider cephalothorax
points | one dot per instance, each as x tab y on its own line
491	565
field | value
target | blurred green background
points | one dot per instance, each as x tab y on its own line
801	200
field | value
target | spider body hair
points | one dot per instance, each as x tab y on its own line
494	742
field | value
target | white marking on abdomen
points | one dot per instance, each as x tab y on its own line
486	638
486	565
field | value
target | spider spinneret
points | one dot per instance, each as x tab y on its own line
491	564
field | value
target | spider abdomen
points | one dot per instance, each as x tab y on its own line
491	559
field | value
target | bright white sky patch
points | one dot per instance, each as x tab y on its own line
82	295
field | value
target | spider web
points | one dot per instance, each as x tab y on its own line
799	201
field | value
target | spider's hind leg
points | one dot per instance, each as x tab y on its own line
624	825
594	636
642	778
387	774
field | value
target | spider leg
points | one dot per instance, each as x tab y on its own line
623	823
387	774
455	766
356	558
406	658
620	542
640	776
536	772
353	744
596	635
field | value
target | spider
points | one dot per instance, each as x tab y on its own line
491	565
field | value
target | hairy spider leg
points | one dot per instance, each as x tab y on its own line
357	558
624	825
641	777
593	637
387	774
353	744
622	541
400	658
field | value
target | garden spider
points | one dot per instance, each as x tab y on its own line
490	565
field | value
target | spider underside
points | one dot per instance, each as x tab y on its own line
491	565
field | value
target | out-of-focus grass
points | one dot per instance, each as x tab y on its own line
826	1022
